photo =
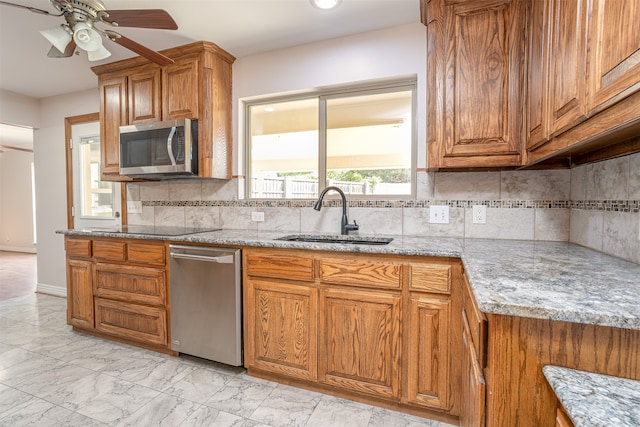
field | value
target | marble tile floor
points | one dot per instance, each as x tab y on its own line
53	376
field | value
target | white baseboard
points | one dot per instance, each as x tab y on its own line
51	290
18	249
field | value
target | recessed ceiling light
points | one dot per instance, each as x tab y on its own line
325	4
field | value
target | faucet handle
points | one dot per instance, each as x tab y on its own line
352	227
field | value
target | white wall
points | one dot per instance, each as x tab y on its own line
16	206
392	52
51	197
18	109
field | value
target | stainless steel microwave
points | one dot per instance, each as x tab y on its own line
159	150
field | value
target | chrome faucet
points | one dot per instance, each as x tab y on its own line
345	227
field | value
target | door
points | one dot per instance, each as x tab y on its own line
94	203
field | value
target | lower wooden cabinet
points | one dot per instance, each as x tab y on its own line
280	328
80	293
360	341
118	288
473	390
378	327
429	351
562	419
131	321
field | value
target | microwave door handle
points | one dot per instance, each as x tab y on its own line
170	146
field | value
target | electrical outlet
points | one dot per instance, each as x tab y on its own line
479	214
134	207
257	216
439	214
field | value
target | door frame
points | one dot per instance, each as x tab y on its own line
68	124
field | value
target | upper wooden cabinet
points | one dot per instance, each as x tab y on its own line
615	52
475	102
196	86
584	74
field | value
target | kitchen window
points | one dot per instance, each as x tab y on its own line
361	140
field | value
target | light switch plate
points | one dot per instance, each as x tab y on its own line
257	216
439	214
134	207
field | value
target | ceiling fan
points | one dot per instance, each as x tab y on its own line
80	30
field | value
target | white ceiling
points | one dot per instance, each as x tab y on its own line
242	27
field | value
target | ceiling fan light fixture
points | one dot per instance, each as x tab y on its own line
99	54
86	38
59	37
325	4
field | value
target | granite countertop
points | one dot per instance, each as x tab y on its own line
595	400
543	280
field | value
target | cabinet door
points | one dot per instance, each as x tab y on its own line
132	321
614	46
360	341
428	347
483	116
538	70
79	293
567	68
472	408
113	114
144	97
280	328
180	90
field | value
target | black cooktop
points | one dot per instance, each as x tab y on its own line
152	230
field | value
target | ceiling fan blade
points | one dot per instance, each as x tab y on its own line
141	50
68	51
31	9
140	18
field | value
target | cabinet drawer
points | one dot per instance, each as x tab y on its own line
141	253
131	284
280	267
477	322
431	278
131	321
78	248
360	272
109	250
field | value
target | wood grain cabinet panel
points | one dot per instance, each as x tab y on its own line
432	278
280	328
429	352
110	250
279	266
144	96
131	321
614	46
80	293
538	73
131	284
146	254
473	390
180	90
360	341
360	272
475	57
562	419
78	248
113	114
568	64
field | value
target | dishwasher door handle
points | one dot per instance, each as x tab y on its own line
222	259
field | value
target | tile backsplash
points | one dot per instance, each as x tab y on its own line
594	205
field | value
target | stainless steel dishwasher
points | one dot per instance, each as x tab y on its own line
206	303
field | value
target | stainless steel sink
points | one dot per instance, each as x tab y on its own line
342	240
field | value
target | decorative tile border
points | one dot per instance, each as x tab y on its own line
601	205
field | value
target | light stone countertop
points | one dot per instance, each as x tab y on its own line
543	280
595	400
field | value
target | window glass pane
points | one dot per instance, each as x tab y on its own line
283	149
369	141
97	196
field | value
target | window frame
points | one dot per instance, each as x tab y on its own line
322	95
